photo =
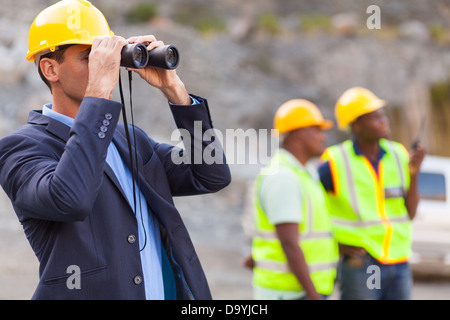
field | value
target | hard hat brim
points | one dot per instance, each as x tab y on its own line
31	55
377	104
374	106
326	125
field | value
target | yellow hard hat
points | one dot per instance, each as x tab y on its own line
354	103
65	22
299	113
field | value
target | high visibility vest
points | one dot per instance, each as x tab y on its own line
316	239
368	208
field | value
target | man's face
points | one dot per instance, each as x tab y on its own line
74	72
372	126
314	140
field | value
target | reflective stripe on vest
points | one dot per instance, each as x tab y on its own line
358	218
283	267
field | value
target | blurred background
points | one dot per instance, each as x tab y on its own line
247	58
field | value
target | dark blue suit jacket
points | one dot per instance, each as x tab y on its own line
73	210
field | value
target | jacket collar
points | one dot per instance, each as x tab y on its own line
53	126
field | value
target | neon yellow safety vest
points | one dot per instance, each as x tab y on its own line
369	209
316	238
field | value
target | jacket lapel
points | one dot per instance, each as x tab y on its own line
53	126
155	201
121	144
110	173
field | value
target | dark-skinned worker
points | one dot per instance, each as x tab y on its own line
68	171
372	193
294	254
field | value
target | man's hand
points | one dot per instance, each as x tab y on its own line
288	235
248	262
165	80
351	251
412	199
104	66
415	160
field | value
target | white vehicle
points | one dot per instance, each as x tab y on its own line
431	226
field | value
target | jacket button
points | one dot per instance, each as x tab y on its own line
137	280
108	116
131	238
101	135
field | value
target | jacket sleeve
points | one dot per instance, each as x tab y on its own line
200	167
50	186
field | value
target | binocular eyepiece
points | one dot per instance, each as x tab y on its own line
136	56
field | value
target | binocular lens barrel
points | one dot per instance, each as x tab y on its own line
136	56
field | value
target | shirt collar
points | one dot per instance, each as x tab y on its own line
47	111
310	167
359	152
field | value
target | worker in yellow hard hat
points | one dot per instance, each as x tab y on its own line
294	254
96	205
372	194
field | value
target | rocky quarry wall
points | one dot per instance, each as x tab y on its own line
251	57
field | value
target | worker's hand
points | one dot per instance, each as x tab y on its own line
351	251
104	66
248	262
313	296
416	157
165	80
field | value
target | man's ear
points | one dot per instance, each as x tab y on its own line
49	69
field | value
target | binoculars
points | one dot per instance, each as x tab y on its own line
136	56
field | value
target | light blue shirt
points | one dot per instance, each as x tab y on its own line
149	234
